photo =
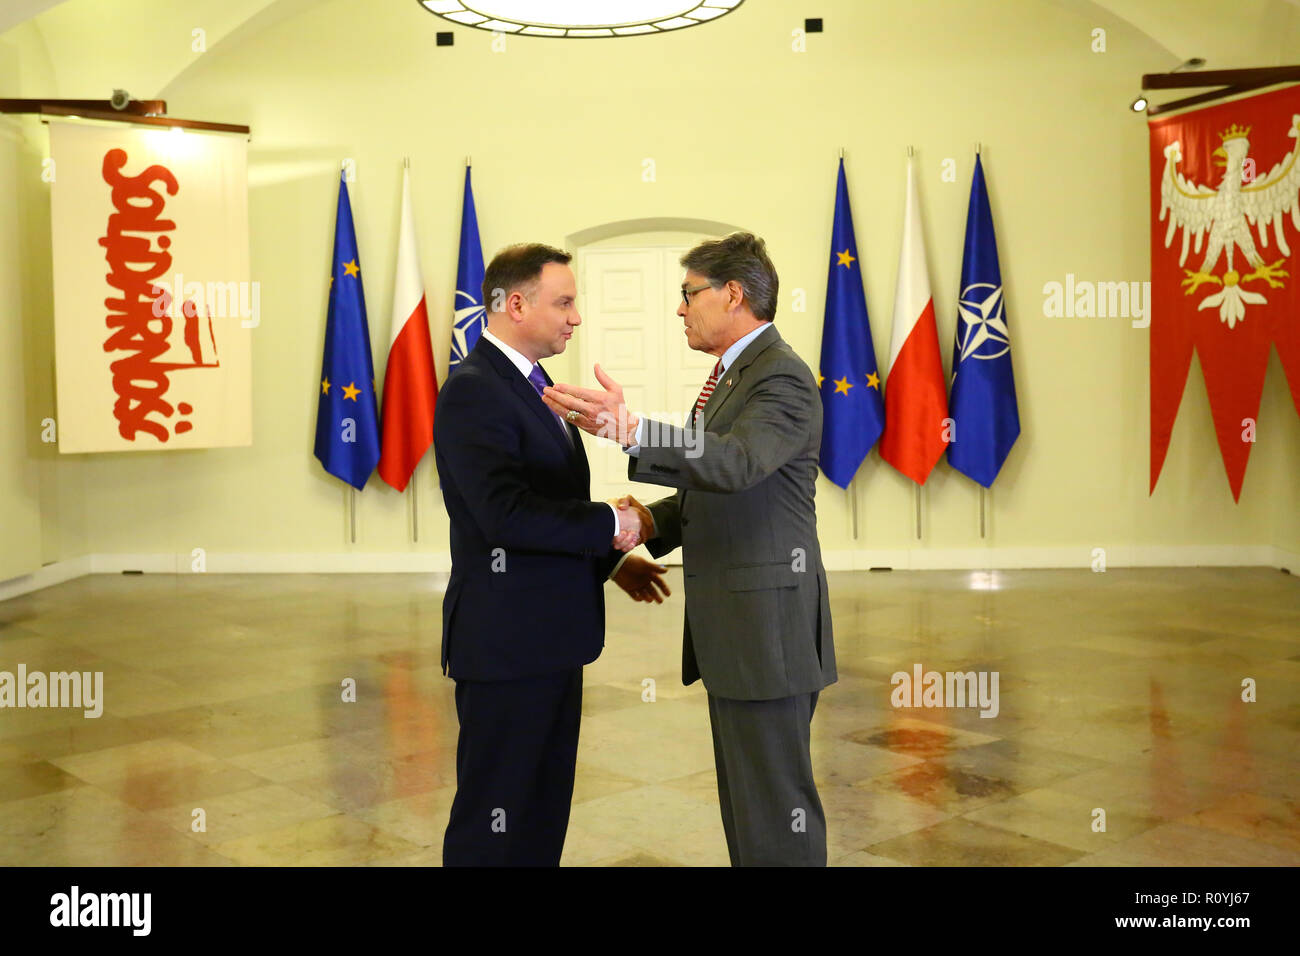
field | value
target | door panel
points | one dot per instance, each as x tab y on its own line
628	299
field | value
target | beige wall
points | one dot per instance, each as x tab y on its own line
41	495
1277	409
741	129
19	500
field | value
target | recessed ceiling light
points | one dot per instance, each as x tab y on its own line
580	18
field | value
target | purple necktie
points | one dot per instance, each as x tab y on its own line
538	380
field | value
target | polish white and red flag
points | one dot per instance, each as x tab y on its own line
916	398
410	381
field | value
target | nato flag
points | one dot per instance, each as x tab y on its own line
470	317
347	418
853	415
982	401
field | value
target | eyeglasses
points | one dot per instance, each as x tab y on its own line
687	293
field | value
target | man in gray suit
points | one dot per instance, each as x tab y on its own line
758	623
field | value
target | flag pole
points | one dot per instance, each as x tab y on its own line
853	482
916	488
853	505
352	492
917	499
982	487
415	503
415	510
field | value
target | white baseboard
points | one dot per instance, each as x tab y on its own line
1117	556
219	562
229	563
919	559
54	573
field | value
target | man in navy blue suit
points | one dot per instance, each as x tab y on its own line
530	552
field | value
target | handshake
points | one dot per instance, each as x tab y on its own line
635	523
642	580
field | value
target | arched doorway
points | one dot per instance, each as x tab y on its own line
629	278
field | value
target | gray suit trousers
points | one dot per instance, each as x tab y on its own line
770	809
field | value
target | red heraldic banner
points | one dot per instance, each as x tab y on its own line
153	307
1225	211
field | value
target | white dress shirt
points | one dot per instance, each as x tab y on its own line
730	355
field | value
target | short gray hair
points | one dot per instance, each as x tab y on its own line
741	256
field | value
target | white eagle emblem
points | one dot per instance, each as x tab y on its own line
1228	215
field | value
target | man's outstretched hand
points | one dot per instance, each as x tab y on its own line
600	413
642	580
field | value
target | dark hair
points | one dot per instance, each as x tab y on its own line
519	267
741	256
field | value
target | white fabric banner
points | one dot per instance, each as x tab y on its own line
153	306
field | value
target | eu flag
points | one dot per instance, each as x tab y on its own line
347	419
470	318
982	400
853	415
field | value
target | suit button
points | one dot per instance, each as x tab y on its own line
685	522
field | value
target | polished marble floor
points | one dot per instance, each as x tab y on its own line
225	738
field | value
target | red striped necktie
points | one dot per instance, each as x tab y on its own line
706	391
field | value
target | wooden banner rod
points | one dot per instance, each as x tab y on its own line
1262	75
1213	95
1232	82
136	107
162	121
140	112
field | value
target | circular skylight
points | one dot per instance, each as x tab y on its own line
580	18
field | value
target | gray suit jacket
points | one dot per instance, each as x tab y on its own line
758	621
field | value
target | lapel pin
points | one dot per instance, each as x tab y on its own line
728	383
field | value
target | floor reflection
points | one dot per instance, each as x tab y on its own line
304	720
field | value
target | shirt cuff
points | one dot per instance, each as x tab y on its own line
635	449
614	570
614	511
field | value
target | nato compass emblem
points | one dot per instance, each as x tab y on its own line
471	319
984	332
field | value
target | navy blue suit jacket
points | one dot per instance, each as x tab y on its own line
530	551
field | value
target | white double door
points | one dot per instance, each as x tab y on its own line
628	300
